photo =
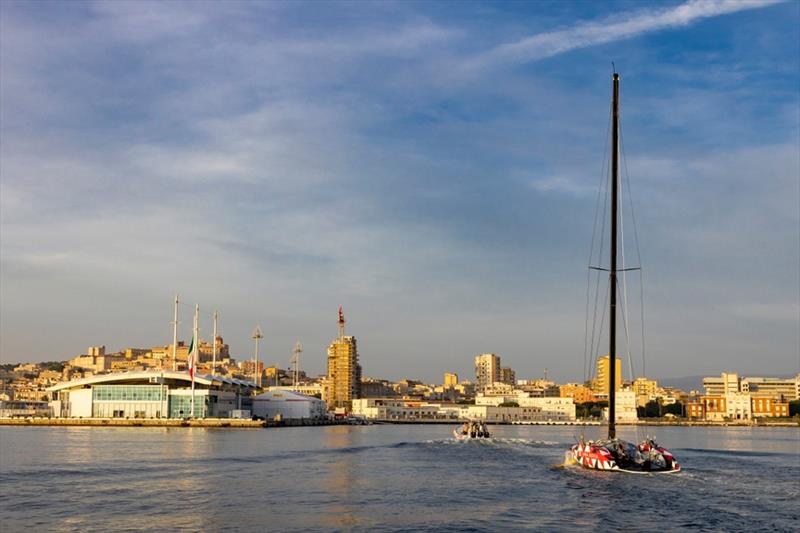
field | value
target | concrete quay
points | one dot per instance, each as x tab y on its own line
137	422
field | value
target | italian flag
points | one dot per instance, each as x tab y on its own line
192	356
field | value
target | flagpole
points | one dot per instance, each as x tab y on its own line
175	338
192	356
214	348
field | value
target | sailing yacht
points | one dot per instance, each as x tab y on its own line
613	453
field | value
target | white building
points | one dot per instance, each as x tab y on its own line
149	394
738	406
288	405
398	409
552	408
534	409
727	383
625	407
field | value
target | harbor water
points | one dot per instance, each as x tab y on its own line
387	478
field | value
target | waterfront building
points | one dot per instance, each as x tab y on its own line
410	409
714	407
282	404
727	383
602	380
768	407
695	410
487	370
150	394
737	406
343	383
784	389
24	408
625	407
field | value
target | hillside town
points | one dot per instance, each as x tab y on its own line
250	388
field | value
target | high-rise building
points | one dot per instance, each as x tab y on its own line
727	383
450	380
487	370
601	381
343	383
507	376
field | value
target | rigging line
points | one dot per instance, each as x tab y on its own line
638	249
603	181
591	354
624	295
596	348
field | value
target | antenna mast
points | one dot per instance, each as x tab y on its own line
341	323
257	336
298	348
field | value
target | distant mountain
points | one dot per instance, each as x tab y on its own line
686	384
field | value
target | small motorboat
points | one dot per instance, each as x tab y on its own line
471	430
619	455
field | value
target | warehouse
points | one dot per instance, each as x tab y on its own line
287	405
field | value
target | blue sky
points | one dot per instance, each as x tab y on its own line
433	167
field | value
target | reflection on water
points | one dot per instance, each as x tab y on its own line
340	479
392	478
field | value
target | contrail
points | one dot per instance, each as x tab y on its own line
619	27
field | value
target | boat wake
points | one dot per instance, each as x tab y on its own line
494	441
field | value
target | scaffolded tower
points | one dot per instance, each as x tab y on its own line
344	371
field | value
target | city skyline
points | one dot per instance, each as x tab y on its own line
439	183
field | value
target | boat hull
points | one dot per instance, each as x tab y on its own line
645	459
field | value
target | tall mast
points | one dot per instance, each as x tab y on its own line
195	350
341	323
175	337
612	332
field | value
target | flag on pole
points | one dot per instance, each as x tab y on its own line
192	355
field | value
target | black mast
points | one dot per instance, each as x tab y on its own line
612	333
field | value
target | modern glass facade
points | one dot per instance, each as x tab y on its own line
129	401
180	406
135	393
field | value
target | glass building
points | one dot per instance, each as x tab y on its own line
150	394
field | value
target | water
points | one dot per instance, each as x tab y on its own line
386	478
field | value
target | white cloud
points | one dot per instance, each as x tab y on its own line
620	27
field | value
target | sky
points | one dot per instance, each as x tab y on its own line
433	167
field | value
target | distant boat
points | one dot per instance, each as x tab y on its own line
471	430
614	454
